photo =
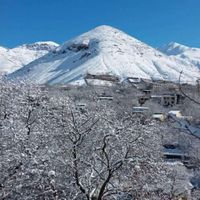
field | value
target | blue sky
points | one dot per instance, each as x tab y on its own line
155	22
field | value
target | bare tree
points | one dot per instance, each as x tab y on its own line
184	93
51	150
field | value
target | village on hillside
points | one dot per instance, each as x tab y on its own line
164	113
99	100
163	101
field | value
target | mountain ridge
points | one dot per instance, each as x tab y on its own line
105	50
17	57
179	51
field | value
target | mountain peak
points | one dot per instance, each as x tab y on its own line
106	31
41	45
174	44
105	28
50	43
3	49
179	51
103	50
99	38
15	58
173	48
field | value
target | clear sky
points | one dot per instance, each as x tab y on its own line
155	22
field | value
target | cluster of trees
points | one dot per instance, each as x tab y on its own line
50	149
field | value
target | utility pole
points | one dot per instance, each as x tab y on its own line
198	85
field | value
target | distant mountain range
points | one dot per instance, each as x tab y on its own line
104	51
189	54
16	58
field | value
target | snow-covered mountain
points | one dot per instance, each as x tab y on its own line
105	50
180	51
15	58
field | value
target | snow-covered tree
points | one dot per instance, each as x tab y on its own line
51	149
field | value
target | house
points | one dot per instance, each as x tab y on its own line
180	98
108	98
81	105
140	83
64	87
177	113
156	98
165	99
173	152
91	79
188	118
150	81
134	80
147	92
159	116
169	99
140	109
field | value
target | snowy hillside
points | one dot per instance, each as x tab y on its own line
105	50
15	58
180	51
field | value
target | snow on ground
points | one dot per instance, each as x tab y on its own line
15	58
105	50
182	52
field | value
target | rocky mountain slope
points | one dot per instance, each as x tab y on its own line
105	50
15	58
176	50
